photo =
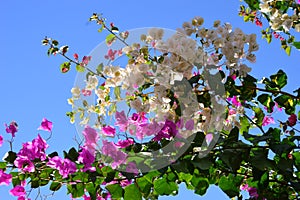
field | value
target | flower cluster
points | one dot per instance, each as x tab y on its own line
278	19
29	152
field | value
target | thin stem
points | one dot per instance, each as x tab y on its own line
122	40
274	92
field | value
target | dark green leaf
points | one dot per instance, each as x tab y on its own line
280	79
163	187
2	165
144	185
99	68
230	185
200	184
115	190
296	44
55	186
286	102
114	29
259	115
11	157
132	192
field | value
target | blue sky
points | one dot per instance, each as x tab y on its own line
32	86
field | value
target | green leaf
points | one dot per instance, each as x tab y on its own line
144	185
200	184
34	182
11	157
286	102
163	187
232	158
233	135
269	38
259	159
280	79
115	190
288	50
15	180
79	68
77	190
117	92
55	186
202	163
132	192
99	68
230	185
55	42
2	165
72	154
245	124
253	4
296	44
296	159
90	187
65	67
259	115
110	39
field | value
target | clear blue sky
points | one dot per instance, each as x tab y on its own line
32	86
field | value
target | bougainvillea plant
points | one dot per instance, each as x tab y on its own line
194	115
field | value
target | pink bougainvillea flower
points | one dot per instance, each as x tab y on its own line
1	140
244	187
86	197
87	159
258	22
85	60
153	128
189	125
253	192
5	179
292	120
55	162
12	128
209	137
268	120
64	166
131	168
138	119
68	167
23	163
18	191
111	54
34	150
91	138
109	149
234	101
107	196
168	130
46	125
75	56
233	76
86	92
109	131
22	198
121	120
124	143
